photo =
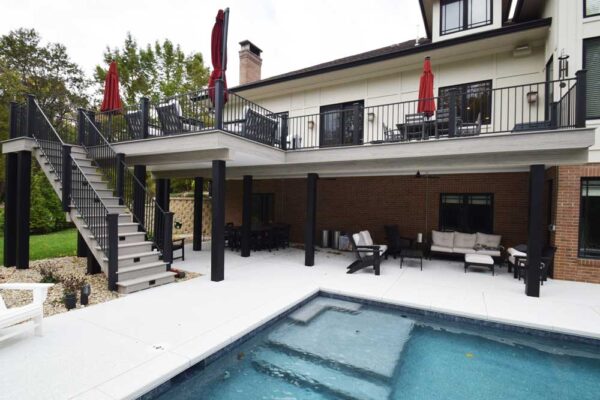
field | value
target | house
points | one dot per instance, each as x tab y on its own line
511	148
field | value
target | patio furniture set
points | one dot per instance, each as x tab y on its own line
478	250
418	126
262	236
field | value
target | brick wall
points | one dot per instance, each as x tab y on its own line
352	204
567	264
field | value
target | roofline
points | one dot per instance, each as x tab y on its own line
425	22
505	30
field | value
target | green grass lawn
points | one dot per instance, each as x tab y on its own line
56	244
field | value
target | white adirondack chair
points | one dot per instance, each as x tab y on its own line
12	319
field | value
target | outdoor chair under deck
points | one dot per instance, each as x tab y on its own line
395	242
367	255
172	121
521	264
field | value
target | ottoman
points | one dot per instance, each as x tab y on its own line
479	260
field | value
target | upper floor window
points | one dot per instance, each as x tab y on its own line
460	15
591	62
589	229
473	101
591	8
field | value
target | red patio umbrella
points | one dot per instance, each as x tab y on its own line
218	50
111	100
426	100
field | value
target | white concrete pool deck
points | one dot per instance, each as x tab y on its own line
124	348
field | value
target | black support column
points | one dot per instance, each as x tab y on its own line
10	210
23	206
82	248
198	206
534	242
217	254
139	196
246	215
311	220
162	201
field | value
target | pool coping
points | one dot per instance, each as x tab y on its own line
155	389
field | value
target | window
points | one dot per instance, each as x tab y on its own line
591	8
591	62
589	228
342	124
472	100
263	208
469	213
460	15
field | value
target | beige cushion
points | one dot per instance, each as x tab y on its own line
512	253
358	239
463	250
488	240
479	259
368	240
493	253
465	240
441	249
443	239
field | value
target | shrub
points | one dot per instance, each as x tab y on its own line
49	273
72	284
46	210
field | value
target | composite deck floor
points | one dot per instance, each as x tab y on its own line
125	347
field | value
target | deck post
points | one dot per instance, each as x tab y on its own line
10	210
139	195
283	120
581	98
13	128
145	109
219	103
67	173
162	203
23	208
31	111
167	248
198	207
357	123
81	127
246	215
82	248
217	254
121	178
92	264
311	219
112	221
452	113
534	242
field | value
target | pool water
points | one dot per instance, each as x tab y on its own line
337	349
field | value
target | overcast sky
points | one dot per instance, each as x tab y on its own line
292	34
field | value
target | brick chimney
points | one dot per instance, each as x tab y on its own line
250	62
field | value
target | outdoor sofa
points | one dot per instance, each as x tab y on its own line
458	243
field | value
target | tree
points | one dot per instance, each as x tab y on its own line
153	71
46	71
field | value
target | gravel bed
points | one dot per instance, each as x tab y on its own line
63	267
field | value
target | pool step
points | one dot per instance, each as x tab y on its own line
305	314
318	377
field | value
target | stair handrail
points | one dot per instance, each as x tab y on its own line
154	219
54	154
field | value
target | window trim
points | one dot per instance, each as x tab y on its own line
463	195
584	66
585	14
464	93
465	24
580	253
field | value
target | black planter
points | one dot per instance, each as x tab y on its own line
70	301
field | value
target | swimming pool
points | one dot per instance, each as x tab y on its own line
332	348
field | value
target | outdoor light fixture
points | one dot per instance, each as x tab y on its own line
86	290
532	97
311	124
563	65
371	116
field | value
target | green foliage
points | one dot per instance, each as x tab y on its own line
156	71
46	210
51	245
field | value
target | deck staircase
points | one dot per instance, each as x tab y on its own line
140	264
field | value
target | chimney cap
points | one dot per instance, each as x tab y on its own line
248	45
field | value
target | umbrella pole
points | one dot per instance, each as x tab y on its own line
224	44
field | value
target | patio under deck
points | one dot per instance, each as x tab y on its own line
126	347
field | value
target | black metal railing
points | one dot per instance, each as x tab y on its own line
47	138
127	187
532	107
18	120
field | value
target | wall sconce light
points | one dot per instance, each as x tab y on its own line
563	65
371	116
532	97
311	124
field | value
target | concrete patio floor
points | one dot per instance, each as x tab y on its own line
123	348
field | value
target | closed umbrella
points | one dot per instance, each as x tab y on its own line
218	51
111	100
426	100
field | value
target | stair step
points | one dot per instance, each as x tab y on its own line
128	237
133	248
141	270
136	284
318	377
123	218
109	208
